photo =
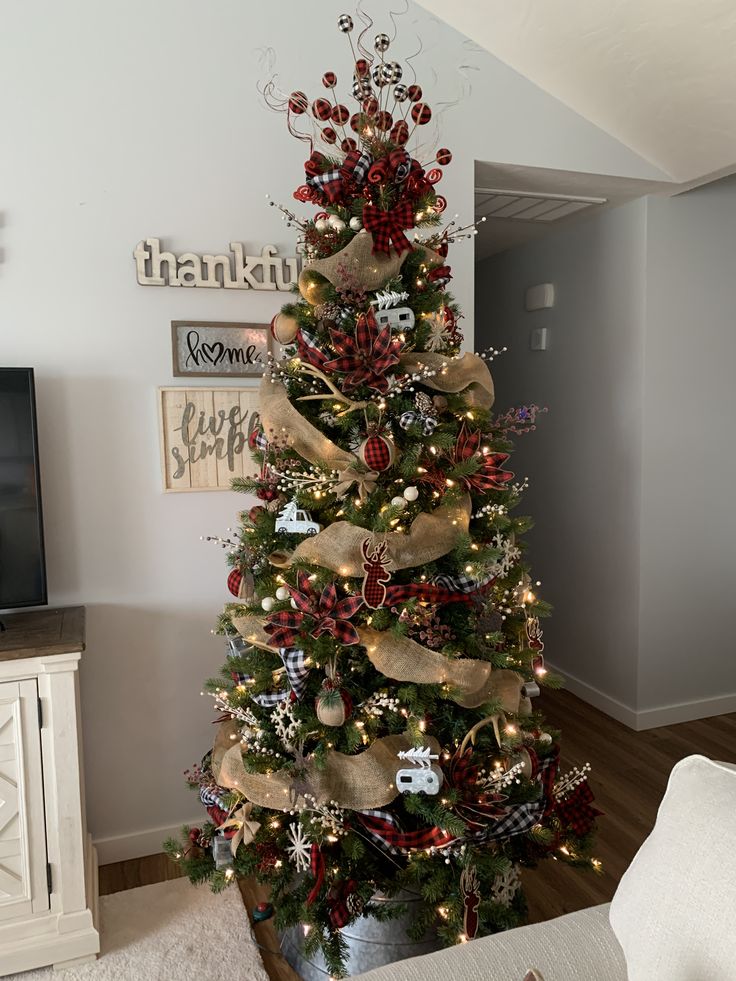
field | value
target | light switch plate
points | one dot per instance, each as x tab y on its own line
540	297
538	339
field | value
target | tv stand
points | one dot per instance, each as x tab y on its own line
48	867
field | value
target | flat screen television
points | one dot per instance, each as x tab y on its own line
22	561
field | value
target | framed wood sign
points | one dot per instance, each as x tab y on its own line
203	348
204	436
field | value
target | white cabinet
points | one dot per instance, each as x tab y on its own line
48	869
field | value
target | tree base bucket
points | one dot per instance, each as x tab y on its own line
370	943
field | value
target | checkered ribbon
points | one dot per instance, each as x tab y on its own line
387	227
344	903
428	423
385	832
258	440
575	812
308	349
442	589
517	821
297	670
335	183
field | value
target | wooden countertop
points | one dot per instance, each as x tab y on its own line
39	633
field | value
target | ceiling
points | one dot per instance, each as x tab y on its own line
537	200
658	75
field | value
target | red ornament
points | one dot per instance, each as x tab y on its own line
329	80
340	115
384	121
329	135
357	122
414	92
440	204
421	113
267	493
298	103
434	175
321	109
234	580
362	68
444	156
370	105
399	132
348	144
377	452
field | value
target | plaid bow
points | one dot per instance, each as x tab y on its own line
489	475
575	812
440	276
387	227
318	613
366	357
335	184
296	667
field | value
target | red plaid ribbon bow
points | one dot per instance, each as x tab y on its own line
336	184
387	834
344	903
387	227
365	357
575	812
489	475
316	613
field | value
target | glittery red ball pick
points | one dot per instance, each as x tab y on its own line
399	132
414	92
348	144
340	115
444	156
384	121
370	105
329	80
329	135
362	67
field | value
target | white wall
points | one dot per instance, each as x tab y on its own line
632	471
584	459
688	545
128	119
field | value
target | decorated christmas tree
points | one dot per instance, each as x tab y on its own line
377	730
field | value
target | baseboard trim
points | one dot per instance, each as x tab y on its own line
653	718
598	699
137	844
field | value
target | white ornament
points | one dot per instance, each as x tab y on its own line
424	778
400	317
268	603
300	849
321	225
505	886
282	593
336	222
388	298
356	224
544	737
411	493
285	725
398	502
293	604
295	521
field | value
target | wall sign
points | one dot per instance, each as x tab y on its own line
204	436
237	271
203	348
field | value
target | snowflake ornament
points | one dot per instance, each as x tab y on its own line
300	849
285	724
505	886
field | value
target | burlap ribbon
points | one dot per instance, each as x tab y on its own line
285	423
469	372
471	682
359	782
364	480
338	547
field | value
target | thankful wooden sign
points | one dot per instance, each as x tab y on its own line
237	271
204	436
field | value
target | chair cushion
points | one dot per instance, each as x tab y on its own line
674	912
576	947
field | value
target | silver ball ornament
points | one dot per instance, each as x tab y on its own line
398	502
381	42
345	23
411	493
401	93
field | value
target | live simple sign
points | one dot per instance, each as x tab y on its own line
204	436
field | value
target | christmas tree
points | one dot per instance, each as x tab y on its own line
377	732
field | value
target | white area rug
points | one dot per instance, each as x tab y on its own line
172	931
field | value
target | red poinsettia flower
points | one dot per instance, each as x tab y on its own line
315	613
490	474
366	357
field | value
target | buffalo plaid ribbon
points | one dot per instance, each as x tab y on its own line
385	832
376	454
316	613
258	440
334	183
442	589
317	868
387	227
575	811
308	349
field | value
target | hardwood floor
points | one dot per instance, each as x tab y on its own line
630	771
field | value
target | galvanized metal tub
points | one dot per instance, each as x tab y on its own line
370	942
